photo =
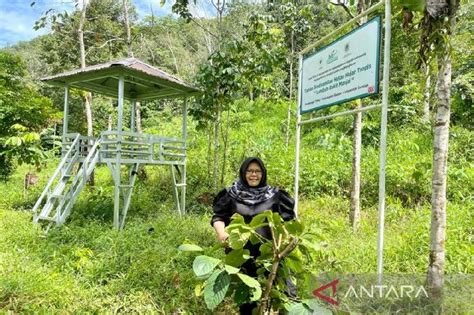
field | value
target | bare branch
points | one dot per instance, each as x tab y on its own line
344	6
289	248
205	29
103	45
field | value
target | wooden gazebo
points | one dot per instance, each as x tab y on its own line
125	80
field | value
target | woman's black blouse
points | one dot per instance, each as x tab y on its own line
225	206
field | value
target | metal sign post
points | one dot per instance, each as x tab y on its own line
383	138
344	81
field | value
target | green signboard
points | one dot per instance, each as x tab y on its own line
344	70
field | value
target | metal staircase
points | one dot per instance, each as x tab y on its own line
55	204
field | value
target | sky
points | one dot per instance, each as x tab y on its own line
17	17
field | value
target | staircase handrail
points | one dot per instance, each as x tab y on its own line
56	173
80	180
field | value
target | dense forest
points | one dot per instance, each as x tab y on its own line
244	59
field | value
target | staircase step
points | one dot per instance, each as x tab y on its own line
46	218
56	196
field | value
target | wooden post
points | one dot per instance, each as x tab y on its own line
120	104
66	112
117	166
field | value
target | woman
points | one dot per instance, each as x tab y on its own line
249	196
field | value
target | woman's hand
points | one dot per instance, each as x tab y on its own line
223	236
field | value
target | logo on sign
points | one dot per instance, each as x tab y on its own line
332	57
319	292
370	89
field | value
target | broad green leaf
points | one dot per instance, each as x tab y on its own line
31	137
18	127
231	270
258	219
295	308
296	255
266	251
304	250
277	218
203	265
306	307
254	239
242	294
215	288
237	240
237	257
237	224
294	227
190	248
283	271
310	245
269	215
234	240
316	308
252	283
413	5
14	141
237	220
294	264
218	246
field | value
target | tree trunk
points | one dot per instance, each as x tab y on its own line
109	122
354	213
127	28
88	108
288	118
138	116
128	32
226	140
215	172
80	32
170	47
438	197
87	99
426	93
209	150
435	275
138	120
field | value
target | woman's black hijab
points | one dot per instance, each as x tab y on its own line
242	192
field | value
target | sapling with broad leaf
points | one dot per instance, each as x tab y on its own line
281	260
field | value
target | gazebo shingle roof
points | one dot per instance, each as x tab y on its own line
142	81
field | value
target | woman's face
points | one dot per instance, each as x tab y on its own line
253	174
